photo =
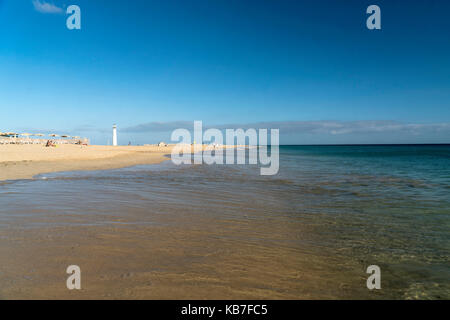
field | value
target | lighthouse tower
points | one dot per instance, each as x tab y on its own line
114	135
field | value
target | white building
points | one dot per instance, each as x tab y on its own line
114	135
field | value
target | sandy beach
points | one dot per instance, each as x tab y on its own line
26	161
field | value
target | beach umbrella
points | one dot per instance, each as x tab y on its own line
65	136
54	135
26	134
39	135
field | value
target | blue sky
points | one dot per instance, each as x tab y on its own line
310	68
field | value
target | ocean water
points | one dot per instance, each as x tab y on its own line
308	232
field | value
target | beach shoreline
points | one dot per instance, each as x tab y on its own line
26	161
226	232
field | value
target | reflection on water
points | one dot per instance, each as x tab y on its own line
226	232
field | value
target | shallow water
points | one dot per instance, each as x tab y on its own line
224	231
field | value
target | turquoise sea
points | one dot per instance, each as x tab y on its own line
387	205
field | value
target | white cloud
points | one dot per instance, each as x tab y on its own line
308	127
45	7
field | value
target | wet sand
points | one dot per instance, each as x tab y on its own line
177	239
176	256
177	234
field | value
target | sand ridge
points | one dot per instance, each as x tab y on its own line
26	161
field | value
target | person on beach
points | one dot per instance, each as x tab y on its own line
50	144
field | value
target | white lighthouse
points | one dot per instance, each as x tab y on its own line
114	135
